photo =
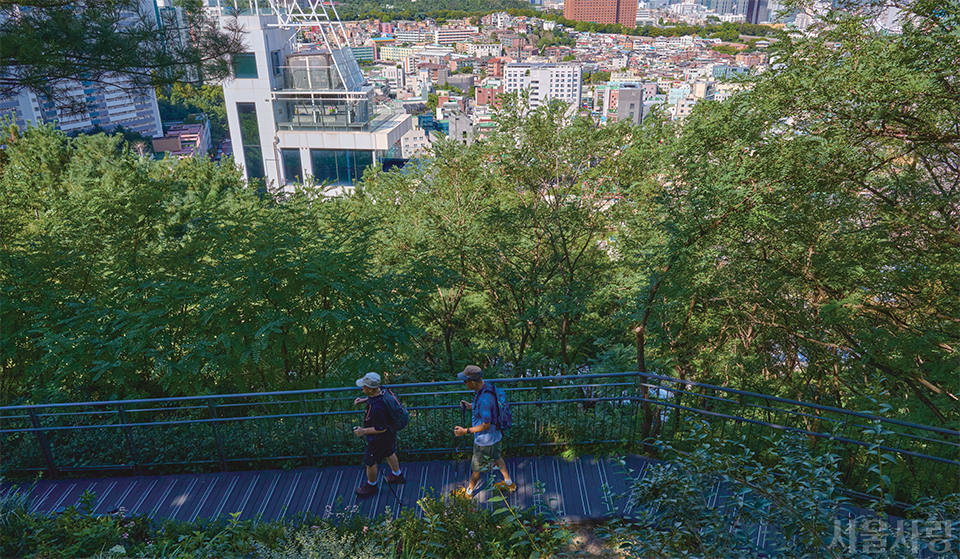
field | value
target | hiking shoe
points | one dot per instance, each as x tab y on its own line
396	478
463	492
366	490
503	486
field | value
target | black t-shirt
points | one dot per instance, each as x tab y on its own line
378	417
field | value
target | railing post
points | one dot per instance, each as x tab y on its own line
216	436
539	422
128	435
306	432
44	445
646	424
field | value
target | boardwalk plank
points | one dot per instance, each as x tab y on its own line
572	489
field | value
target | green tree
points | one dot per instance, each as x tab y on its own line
45	46
813	239
599	77
508	258
130	277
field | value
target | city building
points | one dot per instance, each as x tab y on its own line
487	94
415	142
481	50
453	35
102	107
545	82
191	139
623	12
304	114
85	106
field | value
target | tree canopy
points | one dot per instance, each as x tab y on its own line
47	45
800	239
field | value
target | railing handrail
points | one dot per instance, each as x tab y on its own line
310	391
538	378
818	434
800	403
311	424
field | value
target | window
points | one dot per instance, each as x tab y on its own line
250	136
339	166
291	166
275	63
245	65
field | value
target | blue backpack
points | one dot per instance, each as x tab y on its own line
399	416
502	416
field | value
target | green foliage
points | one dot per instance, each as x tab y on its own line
798	239
809	232
507	258
13	502
599	77
796	493
324	542
432	101
457	527
179	100
726	49
123	277
46	46
440	11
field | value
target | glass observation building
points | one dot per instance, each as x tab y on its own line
304	114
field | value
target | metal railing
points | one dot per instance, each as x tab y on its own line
613	412
927	459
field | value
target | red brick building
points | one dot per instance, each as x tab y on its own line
623	12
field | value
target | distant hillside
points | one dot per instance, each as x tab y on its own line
405	9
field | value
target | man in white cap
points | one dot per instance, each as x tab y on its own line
381	438
486	436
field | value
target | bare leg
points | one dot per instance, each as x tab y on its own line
372	473
503	470
474	479
394	463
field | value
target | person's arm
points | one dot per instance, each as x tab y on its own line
486	416
458	430
361	431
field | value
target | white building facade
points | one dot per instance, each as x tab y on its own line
545	82
304	115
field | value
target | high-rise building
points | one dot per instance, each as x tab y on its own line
545	82
623	12
304	114
84	106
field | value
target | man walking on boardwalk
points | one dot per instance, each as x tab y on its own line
486	436
381	438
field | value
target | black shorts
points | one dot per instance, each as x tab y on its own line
379	450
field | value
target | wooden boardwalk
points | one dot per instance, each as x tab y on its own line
573	490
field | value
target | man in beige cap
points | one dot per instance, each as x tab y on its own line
486	436
381	438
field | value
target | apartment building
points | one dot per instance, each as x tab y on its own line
415	142
545	82
412	36
453	35
105	106
623	12
483	50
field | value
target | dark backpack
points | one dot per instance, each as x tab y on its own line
502	416
399	416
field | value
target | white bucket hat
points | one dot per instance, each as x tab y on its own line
371	380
